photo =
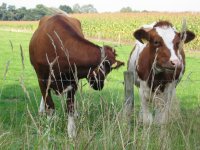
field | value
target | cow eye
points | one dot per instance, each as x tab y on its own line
156	43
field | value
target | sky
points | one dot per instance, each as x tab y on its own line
114	5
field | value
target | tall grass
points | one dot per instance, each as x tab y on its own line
100	126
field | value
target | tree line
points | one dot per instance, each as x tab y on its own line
10	12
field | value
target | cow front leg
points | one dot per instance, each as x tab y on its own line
145	114
162	115
167	108
71	127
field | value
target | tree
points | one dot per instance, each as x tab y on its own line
3	9
88	9
20	13
11	12
66	8
30	15
126	9
76	8
40	11
11	8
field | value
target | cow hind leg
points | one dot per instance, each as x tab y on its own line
42	106
46	104
71	127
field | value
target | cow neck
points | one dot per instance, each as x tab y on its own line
89	45
101	66
90	48
102	54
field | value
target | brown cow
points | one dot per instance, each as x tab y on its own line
158	66
61	56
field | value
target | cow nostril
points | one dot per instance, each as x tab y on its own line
173	63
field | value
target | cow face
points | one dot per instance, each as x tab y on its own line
97	77
163	46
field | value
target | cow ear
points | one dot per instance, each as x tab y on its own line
117	64
189	36
141	35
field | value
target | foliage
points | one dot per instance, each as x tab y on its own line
76	8
11	13
66	8
88	9
8	13
126	9
84	9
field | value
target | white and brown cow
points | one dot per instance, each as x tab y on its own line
158	65
61	56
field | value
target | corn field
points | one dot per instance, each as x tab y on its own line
119	27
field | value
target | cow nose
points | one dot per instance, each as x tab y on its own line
175	62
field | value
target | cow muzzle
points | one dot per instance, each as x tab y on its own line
96	84
172	65
176	63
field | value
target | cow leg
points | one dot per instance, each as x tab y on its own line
146	115
71	127
46	104
164	113
42	106
168	107
161	115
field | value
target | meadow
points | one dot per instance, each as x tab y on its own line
100	124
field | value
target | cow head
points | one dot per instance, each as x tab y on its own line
108	63
163	46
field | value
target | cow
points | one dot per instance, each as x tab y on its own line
158	64
61	56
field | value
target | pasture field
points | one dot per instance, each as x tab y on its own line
100	124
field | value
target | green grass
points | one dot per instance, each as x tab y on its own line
100	125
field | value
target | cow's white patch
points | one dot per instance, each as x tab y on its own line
133	60
71	127
168	35
42	106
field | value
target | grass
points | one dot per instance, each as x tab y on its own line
100	124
